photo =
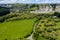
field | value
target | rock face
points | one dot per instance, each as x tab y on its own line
40	8
49	8
45	8
57	8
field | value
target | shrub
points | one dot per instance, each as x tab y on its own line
2	19
54	29
4	11
6	39
56	20
52	39
46	25
35	35
57	14
16	16
42	21
49	30
40	30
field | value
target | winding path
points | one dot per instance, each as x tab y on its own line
30	37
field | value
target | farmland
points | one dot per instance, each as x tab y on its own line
16	29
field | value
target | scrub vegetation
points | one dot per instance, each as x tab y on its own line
47	27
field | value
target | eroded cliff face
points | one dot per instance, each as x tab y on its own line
40	7
57	8
49	7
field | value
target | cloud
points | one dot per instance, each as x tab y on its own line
7	1
52	1
30	1
39	1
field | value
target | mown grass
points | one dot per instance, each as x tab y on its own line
14	30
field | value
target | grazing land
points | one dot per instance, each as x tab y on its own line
14	30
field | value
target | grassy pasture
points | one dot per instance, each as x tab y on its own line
16	29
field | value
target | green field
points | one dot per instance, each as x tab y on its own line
14	30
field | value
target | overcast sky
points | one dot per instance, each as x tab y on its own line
29	1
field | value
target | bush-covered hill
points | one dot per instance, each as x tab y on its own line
16	16
47	27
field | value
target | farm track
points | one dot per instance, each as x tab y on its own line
31	36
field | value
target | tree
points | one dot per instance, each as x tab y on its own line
53	6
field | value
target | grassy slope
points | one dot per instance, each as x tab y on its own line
41	38
15	29
58	26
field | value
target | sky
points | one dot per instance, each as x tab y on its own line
28	1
